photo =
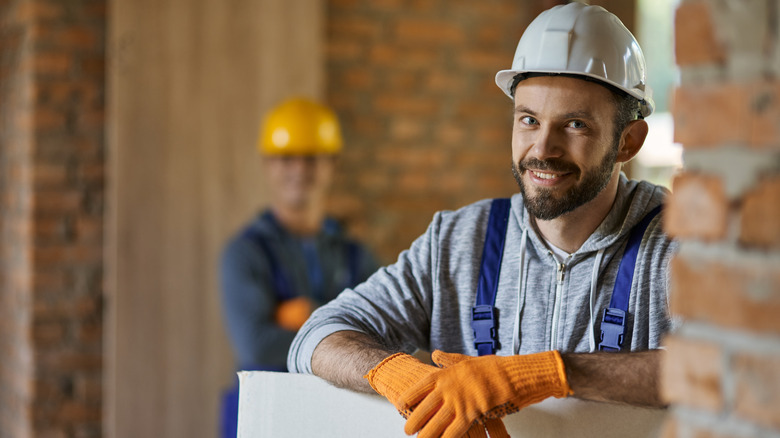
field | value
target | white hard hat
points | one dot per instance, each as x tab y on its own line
582	40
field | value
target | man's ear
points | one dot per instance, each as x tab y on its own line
631	140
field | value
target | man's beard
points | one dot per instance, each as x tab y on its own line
545	205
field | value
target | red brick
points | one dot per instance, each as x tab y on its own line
89	332
77	37
758	388
742	296
760	215
49	175
354	28
57	201
727	113
48	119
48	333
405	105
88	388
358	79
483	62
422	31
56	63
49	280
698	208
36	10
343	49
696	41
66	254
406	128
90	172
78	412
89	229
69	361
49	229
444	82
691	373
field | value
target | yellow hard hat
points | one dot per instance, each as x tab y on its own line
300	126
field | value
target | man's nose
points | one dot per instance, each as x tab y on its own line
547	144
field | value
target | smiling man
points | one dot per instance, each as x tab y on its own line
559	291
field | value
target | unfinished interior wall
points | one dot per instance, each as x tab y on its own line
189	83
51	216
722	372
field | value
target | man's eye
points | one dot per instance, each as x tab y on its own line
577	124
528	120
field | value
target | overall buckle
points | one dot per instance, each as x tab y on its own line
483	322
613	327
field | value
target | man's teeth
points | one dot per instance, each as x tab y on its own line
545	175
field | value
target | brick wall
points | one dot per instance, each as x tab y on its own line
425	126
722	372
52	157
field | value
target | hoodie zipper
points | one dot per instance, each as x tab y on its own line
557	304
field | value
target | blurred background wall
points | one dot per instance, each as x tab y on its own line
127	132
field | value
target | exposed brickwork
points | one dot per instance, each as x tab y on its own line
696	41
693	372
699	208
52	181
758	388
741	295
759	214
722	370
747	113
426	128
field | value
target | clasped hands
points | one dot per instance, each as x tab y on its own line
467	395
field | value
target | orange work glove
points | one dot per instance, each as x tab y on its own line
291	314
494	426
396	373
448	402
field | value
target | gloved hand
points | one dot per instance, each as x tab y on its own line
494	426
397	373
291	314
448	402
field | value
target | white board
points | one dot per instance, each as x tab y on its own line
297	405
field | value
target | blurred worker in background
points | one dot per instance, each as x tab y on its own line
544	287
291	258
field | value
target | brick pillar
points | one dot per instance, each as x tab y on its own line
722	370
51	183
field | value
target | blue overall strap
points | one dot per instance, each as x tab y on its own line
352	252
483	314
353	261
613	323
282	286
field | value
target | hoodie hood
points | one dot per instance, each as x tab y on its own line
633	201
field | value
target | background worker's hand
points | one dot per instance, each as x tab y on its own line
448	402
291	314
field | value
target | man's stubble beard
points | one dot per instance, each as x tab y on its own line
545	205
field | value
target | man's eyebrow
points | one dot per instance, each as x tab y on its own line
570	115
524	109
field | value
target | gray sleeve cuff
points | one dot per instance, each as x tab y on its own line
299	357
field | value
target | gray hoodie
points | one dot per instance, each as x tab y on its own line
424	300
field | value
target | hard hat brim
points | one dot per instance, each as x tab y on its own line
505	79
